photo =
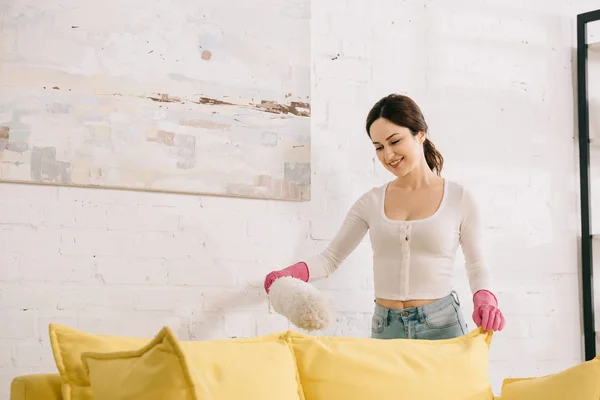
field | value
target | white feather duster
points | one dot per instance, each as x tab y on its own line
301	303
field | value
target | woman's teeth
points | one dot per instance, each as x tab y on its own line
395	163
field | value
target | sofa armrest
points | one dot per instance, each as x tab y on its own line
36	387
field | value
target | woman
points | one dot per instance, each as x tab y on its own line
416	223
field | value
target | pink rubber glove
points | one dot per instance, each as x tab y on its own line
486	313
298	271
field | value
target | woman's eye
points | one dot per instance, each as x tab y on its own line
378	148
396	141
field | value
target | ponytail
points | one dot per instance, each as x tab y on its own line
434	158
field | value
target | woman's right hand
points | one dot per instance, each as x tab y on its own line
298	271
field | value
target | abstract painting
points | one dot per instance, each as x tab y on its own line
202	97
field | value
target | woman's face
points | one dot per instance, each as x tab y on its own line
397	149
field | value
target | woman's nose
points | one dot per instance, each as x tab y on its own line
389	154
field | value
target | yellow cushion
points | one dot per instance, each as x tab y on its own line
260	368
69	344
363	368
36	387
580	382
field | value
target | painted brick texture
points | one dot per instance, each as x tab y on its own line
495	82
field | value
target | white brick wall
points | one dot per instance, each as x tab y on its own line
494	80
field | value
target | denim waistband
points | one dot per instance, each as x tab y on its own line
420	310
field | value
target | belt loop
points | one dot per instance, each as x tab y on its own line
385	312
421	314
455	295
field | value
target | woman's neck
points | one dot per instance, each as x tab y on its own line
419	177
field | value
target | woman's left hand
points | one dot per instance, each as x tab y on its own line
486	313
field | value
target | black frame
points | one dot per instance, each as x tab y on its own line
587	269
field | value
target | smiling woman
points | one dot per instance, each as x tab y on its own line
390	122
416	223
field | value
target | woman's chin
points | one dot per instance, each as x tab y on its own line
397	171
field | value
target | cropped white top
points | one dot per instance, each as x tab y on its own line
411	259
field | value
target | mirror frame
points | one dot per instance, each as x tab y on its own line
586	267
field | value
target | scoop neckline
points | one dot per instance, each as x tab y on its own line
410	221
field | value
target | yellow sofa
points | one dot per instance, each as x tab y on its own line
285	365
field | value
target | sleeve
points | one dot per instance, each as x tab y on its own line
353	230
472	244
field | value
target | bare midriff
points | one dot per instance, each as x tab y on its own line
401	305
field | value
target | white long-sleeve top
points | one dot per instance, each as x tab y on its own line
411	259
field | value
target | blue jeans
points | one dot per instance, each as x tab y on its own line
442	319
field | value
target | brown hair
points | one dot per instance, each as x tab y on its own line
403	111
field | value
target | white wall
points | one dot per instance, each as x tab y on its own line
495	82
